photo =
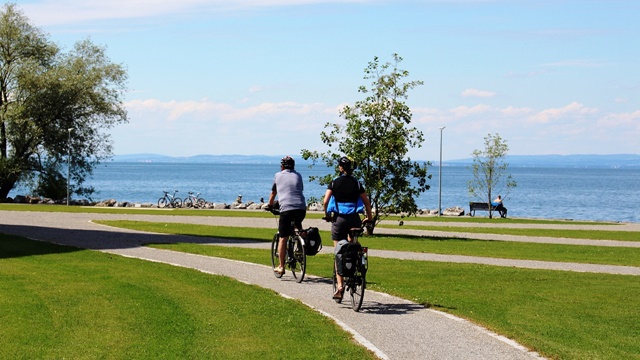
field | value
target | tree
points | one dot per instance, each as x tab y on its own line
490	171
377	137
44	93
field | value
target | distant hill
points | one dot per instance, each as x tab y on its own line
220	159
572	161
566	161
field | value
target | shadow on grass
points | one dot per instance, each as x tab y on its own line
56	240
13	246
418	237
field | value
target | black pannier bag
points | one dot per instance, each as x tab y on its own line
347	257
312	242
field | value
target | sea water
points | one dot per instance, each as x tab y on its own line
550	193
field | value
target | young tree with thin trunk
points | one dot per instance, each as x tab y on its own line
489	170
377	135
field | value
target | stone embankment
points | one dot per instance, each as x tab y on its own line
237	204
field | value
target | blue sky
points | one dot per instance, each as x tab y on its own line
264	76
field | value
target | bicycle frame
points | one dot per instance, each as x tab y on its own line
355	284
193	200
170	200
295	254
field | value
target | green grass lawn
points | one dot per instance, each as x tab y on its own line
563	315
558	233
63	303
450	246
559	314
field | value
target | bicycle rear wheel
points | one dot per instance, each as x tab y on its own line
275	261
298	260
356	290
163	202
188	202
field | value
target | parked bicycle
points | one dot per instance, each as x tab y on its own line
351	261
193	201
170	200
296	256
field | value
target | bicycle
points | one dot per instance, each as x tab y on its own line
356	283
296	256
194	201
169	200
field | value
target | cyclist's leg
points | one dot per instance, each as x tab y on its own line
282	251
339	231
299	216
284	228
335	285
275	245
339	288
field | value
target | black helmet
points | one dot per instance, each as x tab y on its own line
287	162
345	162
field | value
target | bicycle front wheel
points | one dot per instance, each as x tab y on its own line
298	260
275	262
163	202
177	203
200	203
356	290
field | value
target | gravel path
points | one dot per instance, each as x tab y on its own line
391	327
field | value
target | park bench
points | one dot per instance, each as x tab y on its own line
480	206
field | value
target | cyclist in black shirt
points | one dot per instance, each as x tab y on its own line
348	196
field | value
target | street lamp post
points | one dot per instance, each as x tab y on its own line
440	176
68	164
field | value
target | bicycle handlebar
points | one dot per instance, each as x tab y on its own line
272	210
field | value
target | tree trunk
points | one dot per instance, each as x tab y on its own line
5	187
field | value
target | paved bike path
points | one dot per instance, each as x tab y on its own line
391	327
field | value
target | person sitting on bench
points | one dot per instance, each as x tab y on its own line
500	207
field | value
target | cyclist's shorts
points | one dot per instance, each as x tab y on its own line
284	226
342	225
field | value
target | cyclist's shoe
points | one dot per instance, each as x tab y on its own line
338	294
279	270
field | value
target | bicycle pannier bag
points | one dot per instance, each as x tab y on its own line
312	243
347	257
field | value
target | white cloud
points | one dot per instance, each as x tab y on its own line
513	111
465	111
478	93
631	120
572	110
206	109
183	128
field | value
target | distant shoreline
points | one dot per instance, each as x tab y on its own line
617	161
